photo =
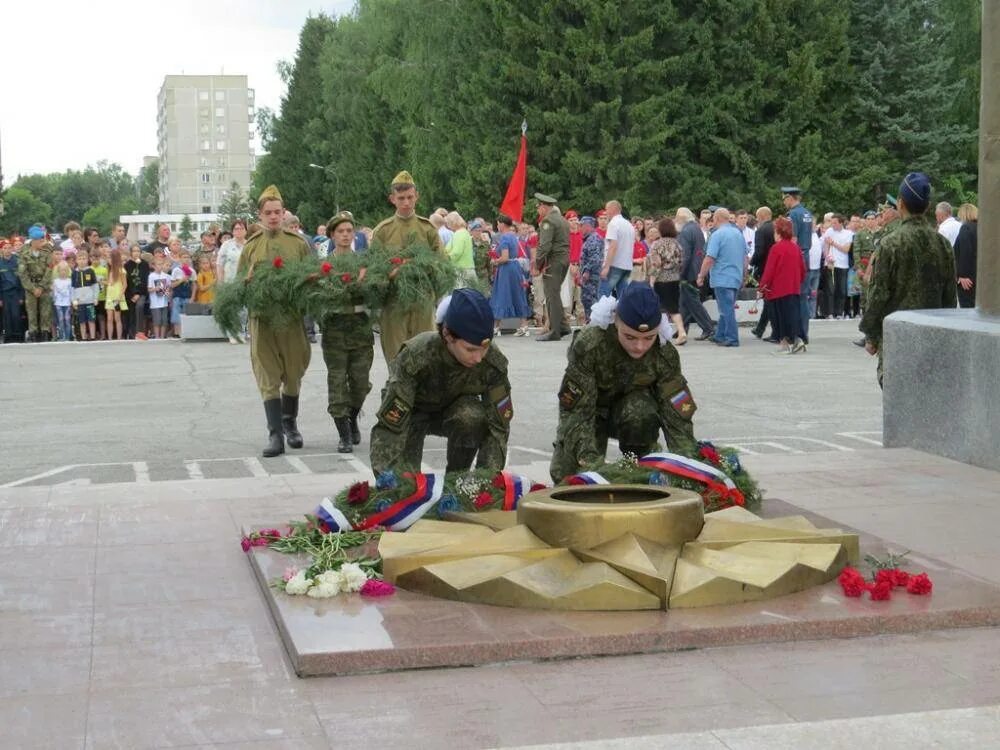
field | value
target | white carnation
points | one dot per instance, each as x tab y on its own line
353	576
333	579
298	584
323	591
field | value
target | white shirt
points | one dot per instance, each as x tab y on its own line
816	253
159	283
949	229
229	259
62	292
748	237
621	230
842	237
445	234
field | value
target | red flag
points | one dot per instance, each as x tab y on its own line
513	201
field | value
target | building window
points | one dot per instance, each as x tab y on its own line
203	96
220	111
203	112
220	129
203	128
220	177
205	145
204	161
206	209
220	145
206	195
205	177
222	161
173	226
220	96
250	112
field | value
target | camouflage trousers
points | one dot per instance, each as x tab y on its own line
39	312
632	419
348	364
464	424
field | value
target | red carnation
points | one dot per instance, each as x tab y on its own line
483	499
397	261
852	582
881	590
358	493
375	587
325	268
278	262
709	454
498	481
346	277
900	577
919	584
537	487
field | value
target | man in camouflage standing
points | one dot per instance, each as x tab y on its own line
622	381
914	268
34	269
397	233
864	247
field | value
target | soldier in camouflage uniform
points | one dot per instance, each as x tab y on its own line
622	381
449	382
863	247
591	263
34	269
914	266
279	354
348	348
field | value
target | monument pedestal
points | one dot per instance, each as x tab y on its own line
942	384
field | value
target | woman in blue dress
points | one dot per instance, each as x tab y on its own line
509	298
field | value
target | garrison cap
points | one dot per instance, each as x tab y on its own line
270	194
639	307
890	202
403	178
337	220
915	191
791	190
469	317
571	214
548	200
36	232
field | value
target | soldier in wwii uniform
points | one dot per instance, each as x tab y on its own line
552	260
279	354
624	382
913	269
451	382
34	269
396	233
348	347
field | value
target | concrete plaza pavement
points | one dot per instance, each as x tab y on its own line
129	616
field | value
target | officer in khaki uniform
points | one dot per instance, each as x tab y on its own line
552	260
280	354
449	382
622	382
34	269
396	233
348	347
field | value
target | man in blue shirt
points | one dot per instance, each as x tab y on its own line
725	265
802	223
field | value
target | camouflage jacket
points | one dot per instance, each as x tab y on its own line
914	269
600	372
425	379
35	270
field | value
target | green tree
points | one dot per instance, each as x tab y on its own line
235	205
22	209
149	188
187	228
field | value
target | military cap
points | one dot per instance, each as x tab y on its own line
36	232
639	307
270	194
713	208
469	317
403	178
915	191
791	190
890	202
546	199
337	220
869	214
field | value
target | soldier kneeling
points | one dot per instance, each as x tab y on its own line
450	382
624	381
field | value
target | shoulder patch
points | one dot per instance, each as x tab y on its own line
394	413
683	403
569	394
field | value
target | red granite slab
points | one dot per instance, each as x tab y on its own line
351	634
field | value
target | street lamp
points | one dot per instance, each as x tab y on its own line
336	183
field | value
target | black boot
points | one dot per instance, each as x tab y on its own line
289	413
344	430
275	439
355	430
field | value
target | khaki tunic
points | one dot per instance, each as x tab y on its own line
279	355
398	324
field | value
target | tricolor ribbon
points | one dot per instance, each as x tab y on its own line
681	466
397	517
515	486
587	477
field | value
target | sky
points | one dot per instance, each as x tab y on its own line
81	79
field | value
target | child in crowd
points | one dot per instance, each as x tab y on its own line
182	280
100	266
62	298
159	297
205	293
85	289
114	301
137	272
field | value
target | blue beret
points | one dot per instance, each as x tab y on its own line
36	233
915	190
469	316
589	220
639	307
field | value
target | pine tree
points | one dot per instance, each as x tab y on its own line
187	229
235	205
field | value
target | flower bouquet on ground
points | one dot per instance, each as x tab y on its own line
409	277
886	576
